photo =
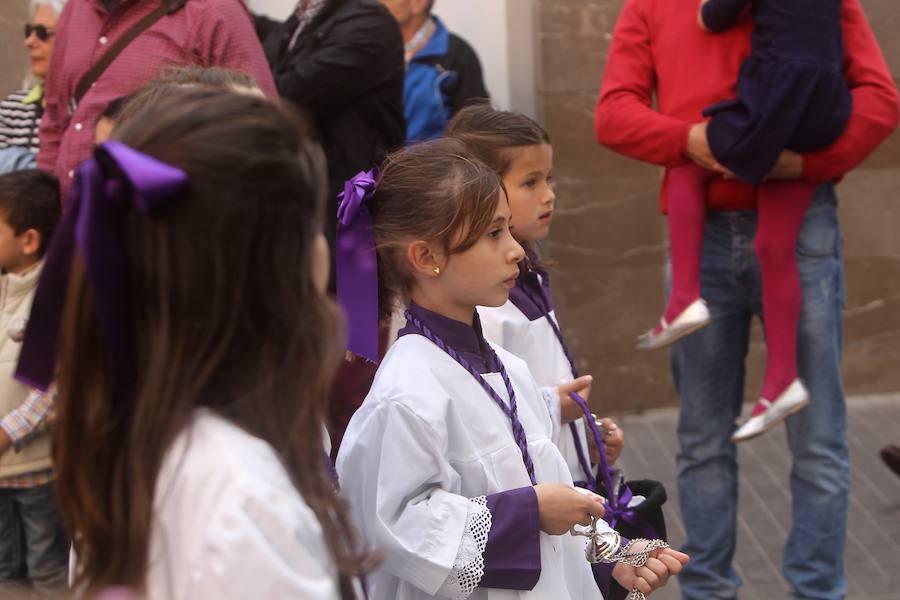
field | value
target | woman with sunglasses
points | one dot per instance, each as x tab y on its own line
20	112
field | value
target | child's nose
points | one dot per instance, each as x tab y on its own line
518	252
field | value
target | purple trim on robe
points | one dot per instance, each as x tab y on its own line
532	294
468	341
609	587
512	557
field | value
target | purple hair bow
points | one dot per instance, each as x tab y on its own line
357	265
116	178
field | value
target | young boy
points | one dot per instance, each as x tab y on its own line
34	546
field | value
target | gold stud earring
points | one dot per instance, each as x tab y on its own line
437	270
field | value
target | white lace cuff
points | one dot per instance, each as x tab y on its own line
468	568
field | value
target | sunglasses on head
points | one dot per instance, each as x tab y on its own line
41	31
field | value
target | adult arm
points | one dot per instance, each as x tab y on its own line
226	38
624	119
56	116
346	65
876	105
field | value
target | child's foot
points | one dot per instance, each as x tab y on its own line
768	414
692	318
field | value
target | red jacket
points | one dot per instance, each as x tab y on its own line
658	48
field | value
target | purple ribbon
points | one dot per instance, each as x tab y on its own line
357	265
116	178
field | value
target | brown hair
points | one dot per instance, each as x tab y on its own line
218	78
434	191
29	199
172	78
227	316
493	135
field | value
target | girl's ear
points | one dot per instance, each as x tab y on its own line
423	258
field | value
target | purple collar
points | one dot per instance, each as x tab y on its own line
532	293
467	341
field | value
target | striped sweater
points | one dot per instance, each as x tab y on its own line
19	121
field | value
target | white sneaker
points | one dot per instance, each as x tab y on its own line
692	318
792	400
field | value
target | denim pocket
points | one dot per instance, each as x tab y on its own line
820	234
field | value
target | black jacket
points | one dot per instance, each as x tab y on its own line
346	70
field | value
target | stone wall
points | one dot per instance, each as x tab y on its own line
609	239
13	56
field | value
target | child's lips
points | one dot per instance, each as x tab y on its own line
546	216
511	281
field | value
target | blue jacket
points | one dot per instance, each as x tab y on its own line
440	79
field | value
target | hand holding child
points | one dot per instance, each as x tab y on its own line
560	507
698	150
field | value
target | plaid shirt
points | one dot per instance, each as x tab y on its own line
204	33
31	417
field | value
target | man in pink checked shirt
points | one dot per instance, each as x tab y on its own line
204	33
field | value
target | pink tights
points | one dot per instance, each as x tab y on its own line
781	208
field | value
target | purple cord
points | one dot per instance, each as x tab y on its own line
605	470
510	411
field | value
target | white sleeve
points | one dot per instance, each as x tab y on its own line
468	568
395	475
262	545
550	395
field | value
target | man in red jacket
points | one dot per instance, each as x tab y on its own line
659	50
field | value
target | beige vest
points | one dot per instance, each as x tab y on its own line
16	294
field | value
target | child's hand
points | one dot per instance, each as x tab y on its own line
654	574
568	408
613	439
560	507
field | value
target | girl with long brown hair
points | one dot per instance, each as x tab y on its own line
197	347
450	466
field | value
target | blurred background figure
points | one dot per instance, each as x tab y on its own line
34	546
21	111
204	33
341	61
443	73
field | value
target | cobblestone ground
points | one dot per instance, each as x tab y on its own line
873	545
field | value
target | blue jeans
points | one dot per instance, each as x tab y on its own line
709	370
34	547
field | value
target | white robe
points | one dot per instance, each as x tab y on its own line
228	522
536	344
426	440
